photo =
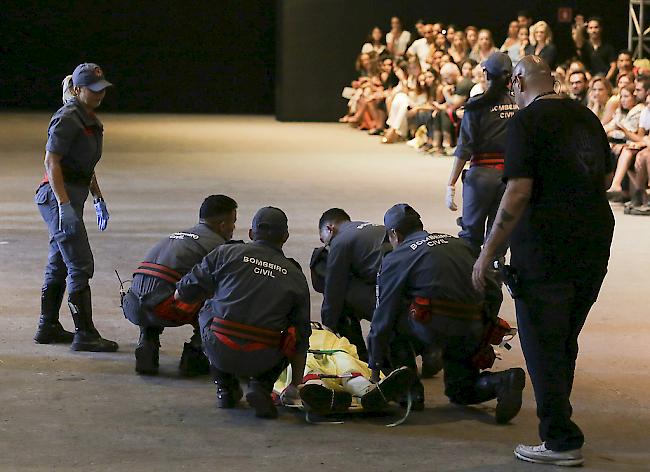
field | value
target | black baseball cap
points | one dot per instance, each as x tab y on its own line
398	215
497	64
90	75
270	221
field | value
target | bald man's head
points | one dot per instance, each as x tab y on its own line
531	65
531	78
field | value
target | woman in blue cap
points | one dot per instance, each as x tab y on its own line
74	147
482	141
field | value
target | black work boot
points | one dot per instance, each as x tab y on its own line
324	401
259	397
506	387
229	391
49	329
147	351
193	361
86	337
431	362
391	388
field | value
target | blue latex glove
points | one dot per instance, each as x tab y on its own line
68	219
102	214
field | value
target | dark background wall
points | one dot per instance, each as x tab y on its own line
220	56
318	41
211	56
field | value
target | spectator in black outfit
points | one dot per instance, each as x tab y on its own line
557	164
602	56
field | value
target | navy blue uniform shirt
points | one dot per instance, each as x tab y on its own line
254	284
78	137
180	252
429	265
355	251
484	130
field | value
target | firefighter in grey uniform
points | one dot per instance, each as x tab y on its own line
425	292
354	253
256	318
482	141
150	304
74	147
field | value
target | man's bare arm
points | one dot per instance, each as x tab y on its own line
512	207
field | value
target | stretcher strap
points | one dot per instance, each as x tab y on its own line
314	376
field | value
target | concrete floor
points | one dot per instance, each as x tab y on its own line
62	411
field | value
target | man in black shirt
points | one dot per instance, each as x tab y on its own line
555	212
602	56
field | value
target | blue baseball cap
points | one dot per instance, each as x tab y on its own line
270	221
497	64
399	214
90	75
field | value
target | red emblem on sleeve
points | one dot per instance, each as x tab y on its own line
98	71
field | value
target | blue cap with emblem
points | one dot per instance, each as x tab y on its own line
497	64
270	221
90	75
398	215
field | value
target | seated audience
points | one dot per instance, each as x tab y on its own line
524	19
440	42
467	68
471	34
600	90
512	37
484	46
624	64
375	43
613	102
419	28
455	91
459	49
581	45
541	43
397	39
421	47
578	87
633	133
410	95
517	50
451	31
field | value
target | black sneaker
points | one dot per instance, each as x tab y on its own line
392	388
324	401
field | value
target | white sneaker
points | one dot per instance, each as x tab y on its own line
541	455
